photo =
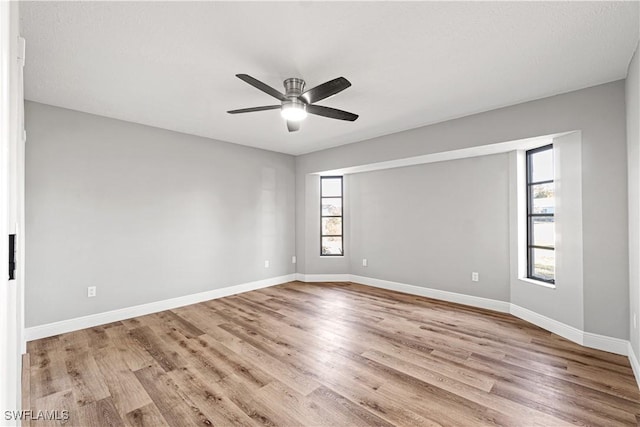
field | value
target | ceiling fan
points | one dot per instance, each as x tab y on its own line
295	104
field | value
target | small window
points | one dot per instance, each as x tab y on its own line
331	228
541	256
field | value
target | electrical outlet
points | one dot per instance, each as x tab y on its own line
475	277
91	291
266	263
293	259
364	262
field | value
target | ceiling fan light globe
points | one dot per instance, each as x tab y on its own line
293	113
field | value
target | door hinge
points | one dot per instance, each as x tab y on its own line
12	256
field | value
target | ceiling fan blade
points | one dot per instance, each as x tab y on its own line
293	126
325	90
262	86
332	113
252	109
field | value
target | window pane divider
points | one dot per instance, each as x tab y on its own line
546	181
549	248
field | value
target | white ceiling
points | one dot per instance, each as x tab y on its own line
173	65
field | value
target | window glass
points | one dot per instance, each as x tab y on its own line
331	187
543	264
542	166
332	226
332	206
543	231
332	246
543	198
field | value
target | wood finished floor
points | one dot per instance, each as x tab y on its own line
330	354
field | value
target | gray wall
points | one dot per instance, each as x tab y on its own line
633	150
145	214
432	225
598	112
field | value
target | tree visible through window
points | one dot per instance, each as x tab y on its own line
331	228
541	256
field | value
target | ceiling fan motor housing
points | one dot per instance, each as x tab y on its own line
293	89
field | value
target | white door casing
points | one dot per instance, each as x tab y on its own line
11	208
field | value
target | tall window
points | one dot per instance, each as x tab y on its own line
541	256
331	229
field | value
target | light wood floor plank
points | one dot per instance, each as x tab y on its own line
210	397
87	381
26	387
145	416
124	388
174	404
133	354
48	410
100	413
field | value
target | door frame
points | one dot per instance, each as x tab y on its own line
12	139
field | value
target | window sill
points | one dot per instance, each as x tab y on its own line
538	282
330	256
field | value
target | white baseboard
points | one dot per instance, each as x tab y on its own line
551	325
603	342
635	364
323	277
587	339
474	301
55	328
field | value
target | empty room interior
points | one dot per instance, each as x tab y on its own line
320	213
